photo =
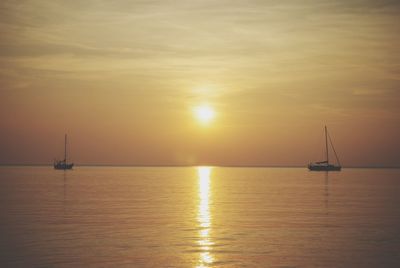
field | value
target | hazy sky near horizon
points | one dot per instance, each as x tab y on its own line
122	79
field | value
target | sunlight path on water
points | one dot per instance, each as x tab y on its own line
204	217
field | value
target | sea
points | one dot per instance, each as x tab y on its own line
198	217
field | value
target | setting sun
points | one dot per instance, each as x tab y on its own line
204	113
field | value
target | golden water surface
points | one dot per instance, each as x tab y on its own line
199	217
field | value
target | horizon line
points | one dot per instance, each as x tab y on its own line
200	165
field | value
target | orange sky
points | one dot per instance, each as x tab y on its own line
122	79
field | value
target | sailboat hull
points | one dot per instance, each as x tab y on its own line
63	166
324	167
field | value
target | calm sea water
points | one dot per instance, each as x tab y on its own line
199	217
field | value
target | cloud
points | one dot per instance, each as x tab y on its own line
244	44
371	92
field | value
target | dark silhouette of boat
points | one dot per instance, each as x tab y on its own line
325	165
63	164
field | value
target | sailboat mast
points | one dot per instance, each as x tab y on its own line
326	145
65	148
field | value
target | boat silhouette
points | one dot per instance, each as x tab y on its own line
325	165
63	164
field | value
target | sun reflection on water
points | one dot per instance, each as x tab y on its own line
204	217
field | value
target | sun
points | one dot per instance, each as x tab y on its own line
204	113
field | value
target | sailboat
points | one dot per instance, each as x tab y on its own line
63	164
325	165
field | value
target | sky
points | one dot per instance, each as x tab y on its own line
122	79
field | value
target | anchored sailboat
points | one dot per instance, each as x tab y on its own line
63	164
325	165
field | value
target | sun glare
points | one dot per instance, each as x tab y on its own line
204	113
